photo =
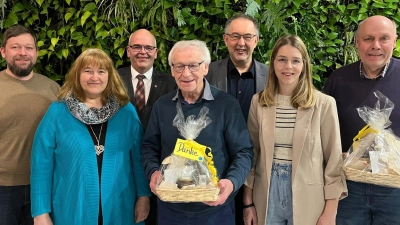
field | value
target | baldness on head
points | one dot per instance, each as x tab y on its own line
375	40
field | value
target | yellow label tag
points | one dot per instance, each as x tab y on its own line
362	133
189	149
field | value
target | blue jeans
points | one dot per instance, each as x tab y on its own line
15	205
369	204
280	207
223	216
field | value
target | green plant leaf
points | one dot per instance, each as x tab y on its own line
121	52
331	50
12	19
54	41
18	7
90	7
352	6
48	21
65	53
68	16
39	2
84	17
40	44
98	26
332	35
42	52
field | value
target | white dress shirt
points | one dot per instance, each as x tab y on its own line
147	81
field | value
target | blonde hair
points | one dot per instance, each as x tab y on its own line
94	57
303	94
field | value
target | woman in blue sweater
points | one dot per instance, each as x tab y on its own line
86	165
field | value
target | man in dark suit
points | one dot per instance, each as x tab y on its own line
142	51
239	74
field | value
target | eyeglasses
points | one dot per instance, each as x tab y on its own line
282	61
237	37
138	48
179	68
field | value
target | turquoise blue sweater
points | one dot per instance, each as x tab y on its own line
64	178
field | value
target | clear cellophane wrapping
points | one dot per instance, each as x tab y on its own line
186	179
374	156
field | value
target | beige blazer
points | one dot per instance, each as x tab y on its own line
316	174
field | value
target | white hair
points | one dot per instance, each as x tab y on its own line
200	45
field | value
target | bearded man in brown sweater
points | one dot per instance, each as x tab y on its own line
24	100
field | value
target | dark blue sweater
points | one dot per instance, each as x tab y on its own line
226	135
351	91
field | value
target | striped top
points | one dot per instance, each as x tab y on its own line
284	126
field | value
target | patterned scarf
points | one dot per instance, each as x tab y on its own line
92	115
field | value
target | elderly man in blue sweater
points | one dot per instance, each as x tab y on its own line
226	135
353	86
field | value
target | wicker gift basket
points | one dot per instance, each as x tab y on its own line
188	174
183	180
374	156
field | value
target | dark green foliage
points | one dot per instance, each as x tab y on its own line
66	27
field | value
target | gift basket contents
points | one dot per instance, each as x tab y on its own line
374	156
188	174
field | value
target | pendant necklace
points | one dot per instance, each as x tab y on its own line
99	148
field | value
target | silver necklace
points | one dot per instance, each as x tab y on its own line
98	148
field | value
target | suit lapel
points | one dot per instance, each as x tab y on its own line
268	133
127	78
303	122
156	85
223	71
261	74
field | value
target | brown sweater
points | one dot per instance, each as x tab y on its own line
22	106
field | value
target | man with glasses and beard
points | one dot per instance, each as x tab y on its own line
240	75
24	100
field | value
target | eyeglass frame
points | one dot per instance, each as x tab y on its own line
142	47
188	66
232	36
291	61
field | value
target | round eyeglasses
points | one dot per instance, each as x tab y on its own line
237	37
138	48
193	67
282	61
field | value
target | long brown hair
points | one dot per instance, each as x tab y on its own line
94	57
303	94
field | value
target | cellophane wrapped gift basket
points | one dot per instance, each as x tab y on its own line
188	174
374	156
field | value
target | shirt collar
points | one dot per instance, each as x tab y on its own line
207	95
363	74
148	74
231	66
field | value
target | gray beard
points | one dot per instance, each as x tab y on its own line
18	71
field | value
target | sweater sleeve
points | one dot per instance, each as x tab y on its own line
335	184
239	145
151	146
42	162
142	184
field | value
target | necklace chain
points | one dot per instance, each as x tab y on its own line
98	148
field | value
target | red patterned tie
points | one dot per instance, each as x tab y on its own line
139	95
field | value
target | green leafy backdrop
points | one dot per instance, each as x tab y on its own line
66	27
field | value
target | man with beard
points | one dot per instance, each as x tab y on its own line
142	51
24	100
239	75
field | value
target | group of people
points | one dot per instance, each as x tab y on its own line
90	152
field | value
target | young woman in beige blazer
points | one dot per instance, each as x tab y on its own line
296	176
